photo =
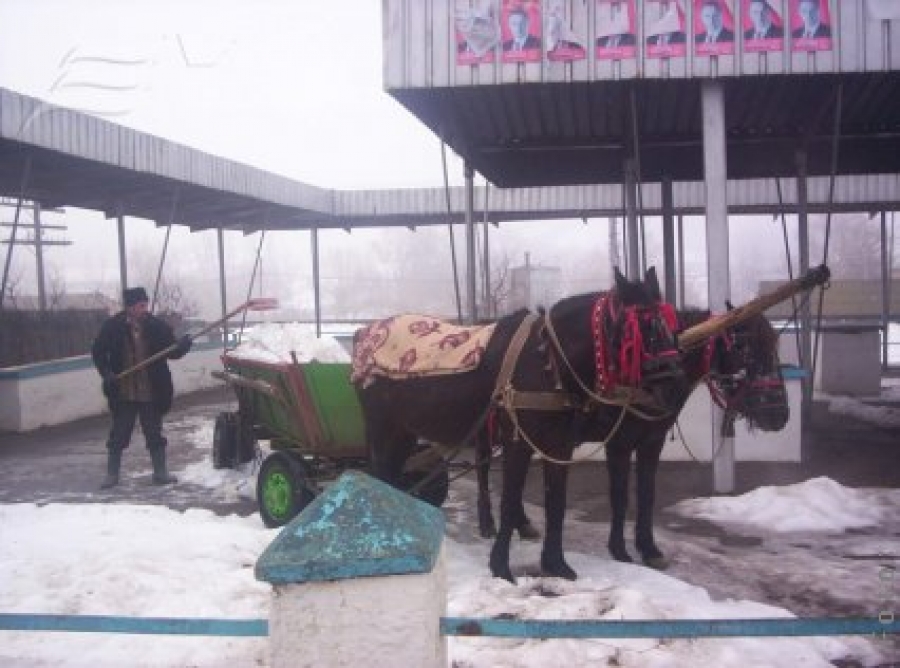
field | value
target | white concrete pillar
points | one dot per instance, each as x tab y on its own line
358	579
719	289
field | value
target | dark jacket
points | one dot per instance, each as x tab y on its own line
109	354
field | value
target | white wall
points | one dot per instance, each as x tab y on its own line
39	395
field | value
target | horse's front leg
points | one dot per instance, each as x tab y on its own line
648	454
515	469
553	561
618	466
486	526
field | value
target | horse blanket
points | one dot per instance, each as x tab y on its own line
412	345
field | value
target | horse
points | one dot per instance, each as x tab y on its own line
741	368
537	368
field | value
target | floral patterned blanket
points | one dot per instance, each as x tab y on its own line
411	345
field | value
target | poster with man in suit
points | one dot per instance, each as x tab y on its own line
810	25
665	28
763	25
563	44
616	27
521	25
713	28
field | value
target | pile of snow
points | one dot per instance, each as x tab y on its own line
819	504
274	343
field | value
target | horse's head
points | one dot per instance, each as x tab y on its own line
636	347
745	374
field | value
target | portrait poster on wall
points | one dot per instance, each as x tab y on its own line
616	30
521	31
563	44
763	25
665	29
477	34
713	27
810	25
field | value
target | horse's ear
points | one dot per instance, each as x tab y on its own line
729	305
621	281
653	284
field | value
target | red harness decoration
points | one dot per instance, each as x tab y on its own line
628	368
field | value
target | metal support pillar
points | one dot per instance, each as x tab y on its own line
886	270
717	269
317	294
489	310
668	221
805	315
222	292
123	256
632	237
39	258
471	314
681	271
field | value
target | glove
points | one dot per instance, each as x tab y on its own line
184	345
109	384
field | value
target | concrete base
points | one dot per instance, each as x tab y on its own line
377	622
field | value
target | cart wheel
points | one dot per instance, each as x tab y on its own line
435	491
224	446
281	489
245	440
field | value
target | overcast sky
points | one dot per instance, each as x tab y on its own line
290	86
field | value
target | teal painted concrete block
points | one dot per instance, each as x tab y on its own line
358	527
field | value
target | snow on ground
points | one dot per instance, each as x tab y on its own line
274	342
151	561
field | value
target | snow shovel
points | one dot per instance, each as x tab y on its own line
258	304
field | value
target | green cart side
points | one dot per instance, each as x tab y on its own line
310	414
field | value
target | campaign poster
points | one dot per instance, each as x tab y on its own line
665	29
521	31
713	27
616	30
810	25
763	25
562	42
477	34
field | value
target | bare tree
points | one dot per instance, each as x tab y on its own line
57	292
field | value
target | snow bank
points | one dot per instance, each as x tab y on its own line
819	504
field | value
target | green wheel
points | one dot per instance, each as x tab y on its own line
282	489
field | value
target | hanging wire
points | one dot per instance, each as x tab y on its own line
790	264
835	144
450	229
165	250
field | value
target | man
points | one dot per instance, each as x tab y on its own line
809	12
517	21
713	24
761	17
125	340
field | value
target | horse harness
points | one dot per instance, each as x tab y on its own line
630	399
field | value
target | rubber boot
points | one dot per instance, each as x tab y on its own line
160	472
113	463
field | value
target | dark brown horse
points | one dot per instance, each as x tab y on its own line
742	369
544	389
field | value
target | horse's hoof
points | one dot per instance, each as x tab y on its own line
659	563
488	532
528	532
503	574
558	569
621	554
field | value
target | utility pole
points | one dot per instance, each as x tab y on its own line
35	237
